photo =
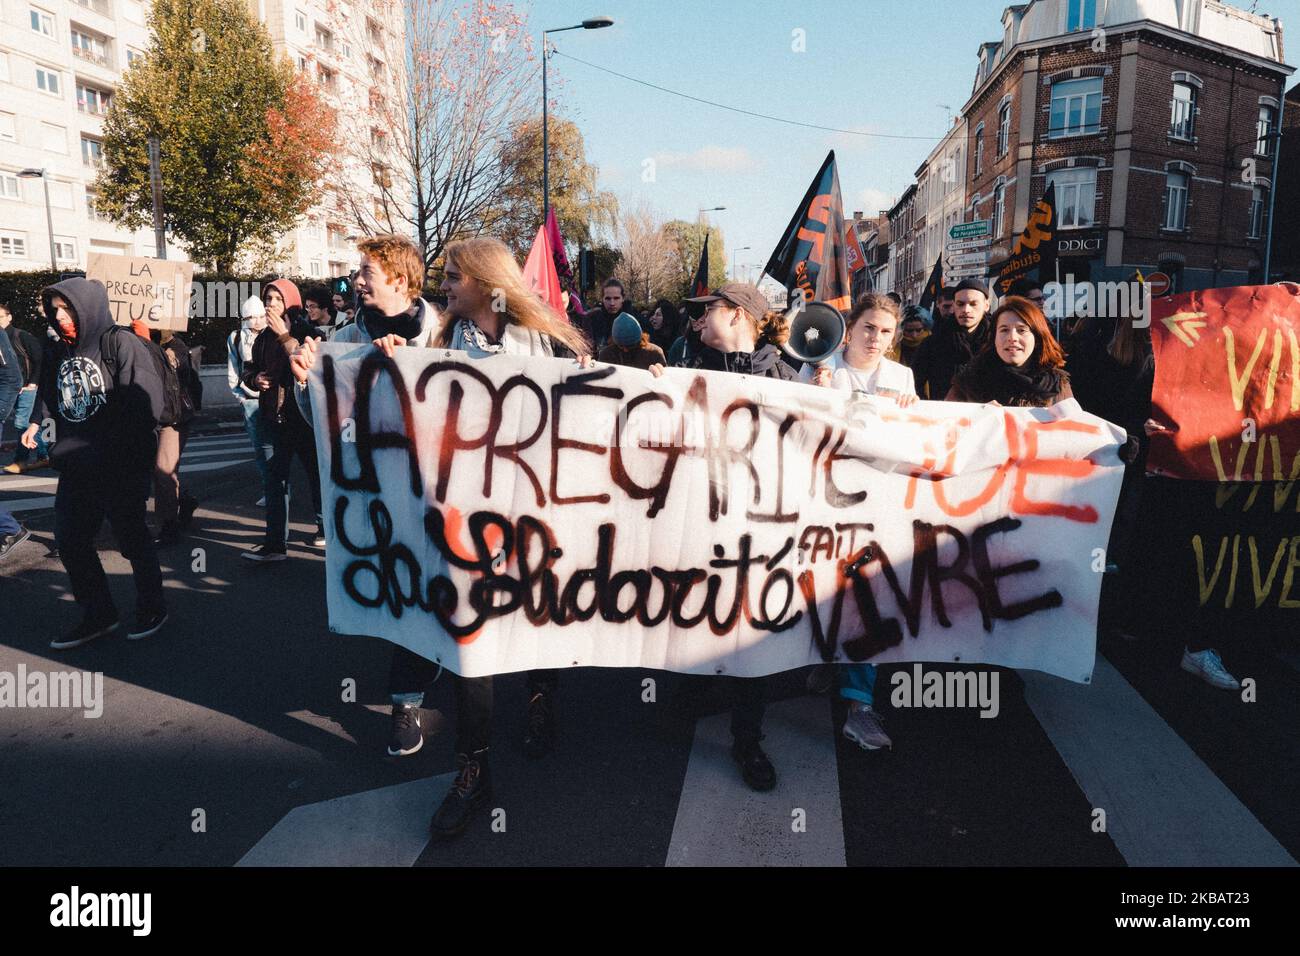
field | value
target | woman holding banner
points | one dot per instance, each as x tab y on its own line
740	335
861	367
1022	364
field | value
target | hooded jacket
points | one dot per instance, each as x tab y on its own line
642	355
271	356
105	411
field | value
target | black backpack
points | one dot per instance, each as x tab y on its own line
178	407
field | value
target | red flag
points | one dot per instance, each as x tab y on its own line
562	267
540	274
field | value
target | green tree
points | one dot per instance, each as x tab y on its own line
581	209
244	140
688	239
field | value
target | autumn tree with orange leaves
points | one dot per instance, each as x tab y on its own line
245	140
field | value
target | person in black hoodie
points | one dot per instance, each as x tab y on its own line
104	392
955	341
741	335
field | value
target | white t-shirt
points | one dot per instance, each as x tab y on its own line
889	379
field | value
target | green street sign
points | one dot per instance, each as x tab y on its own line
971	230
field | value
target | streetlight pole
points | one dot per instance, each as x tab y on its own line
43	176
1272	185
733	260
594	23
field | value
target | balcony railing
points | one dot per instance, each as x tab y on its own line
92	107
99	6
90	56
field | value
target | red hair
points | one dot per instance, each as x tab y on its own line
1047	351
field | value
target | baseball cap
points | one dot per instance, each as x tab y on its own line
742	294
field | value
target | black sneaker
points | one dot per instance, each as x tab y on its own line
263	554
84	633
539	737
754	765
147	624
470	792
11	541
407	737
187	508
169	534
318	539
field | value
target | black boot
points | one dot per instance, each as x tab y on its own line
755	767
469	793
188	505
169	534
539	737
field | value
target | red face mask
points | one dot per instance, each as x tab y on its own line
68	328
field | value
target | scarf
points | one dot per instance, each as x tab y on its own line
1031	384
405	323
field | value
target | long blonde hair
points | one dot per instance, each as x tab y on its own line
489	263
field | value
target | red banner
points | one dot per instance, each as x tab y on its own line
1227	384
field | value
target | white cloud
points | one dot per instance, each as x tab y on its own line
714	159
871	201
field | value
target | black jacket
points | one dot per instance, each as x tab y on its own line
940	356
105	422
31	352
765	361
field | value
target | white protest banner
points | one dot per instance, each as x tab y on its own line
156	290
512	513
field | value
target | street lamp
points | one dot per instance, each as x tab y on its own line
49	216
594	23
733	260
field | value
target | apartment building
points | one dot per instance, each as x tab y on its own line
60	64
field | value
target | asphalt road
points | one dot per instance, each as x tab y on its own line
227	738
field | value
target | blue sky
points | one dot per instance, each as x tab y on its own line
868	65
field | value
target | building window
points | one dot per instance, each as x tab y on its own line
376	66
1264	130
92	100
1258	205
65	249
325	77
324	39
47	81
42	22
337	237
1076	196
99	6
92	211
13	245
92	152
86	46
54	138
132	56
9	187
315	267
1182	116
1176	187
8	131
1004	129
1080	15
999	208
345	49
1076	107
979	148
300	21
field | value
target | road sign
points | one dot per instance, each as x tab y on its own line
968	258
952	244
965	272
971	230
1157	284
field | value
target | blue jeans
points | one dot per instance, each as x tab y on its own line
281	444
23	418
8	524
858	682
253	426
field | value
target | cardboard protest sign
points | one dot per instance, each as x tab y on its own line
155	290
1227	384
514	513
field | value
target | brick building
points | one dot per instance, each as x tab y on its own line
1154	119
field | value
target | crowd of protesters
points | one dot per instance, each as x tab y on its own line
121	406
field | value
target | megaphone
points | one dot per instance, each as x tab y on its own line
816	331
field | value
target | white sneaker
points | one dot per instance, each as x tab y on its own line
1209	667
